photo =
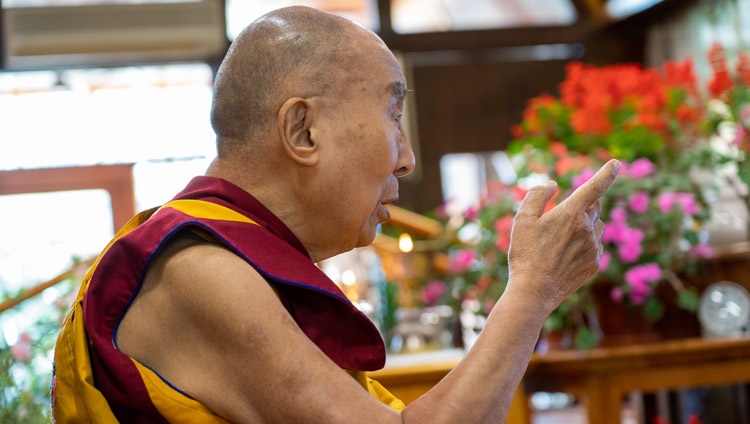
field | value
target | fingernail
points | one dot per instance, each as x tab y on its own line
618	164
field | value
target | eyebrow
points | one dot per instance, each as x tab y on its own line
398	90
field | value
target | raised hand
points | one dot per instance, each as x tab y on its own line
554	253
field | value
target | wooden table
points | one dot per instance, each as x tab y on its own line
601	377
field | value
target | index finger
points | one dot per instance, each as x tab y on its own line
589	193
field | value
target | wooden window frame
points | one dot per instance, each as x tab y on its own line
117	180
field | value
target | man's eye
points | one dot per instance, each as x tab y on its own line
397	118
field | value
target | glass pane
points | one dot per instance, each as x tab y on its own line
105	116
48	3
410	16
240	13
41	232
623	8
40	235
157	182
465	177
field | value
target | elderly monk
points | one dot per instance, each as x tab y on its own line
210	308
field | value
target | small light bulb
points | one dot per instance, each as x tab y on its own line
405	244
348	278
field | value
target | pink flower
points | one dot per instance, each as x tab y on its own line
640	168
618	215
581	179
614	232
739	135
22	349
442	211
629	252
616	228
629	248
686	201
639	202
462	260
432	291
638	296
604	261
616	294
471	213
666	201
638	278
702	250
745	112
633	236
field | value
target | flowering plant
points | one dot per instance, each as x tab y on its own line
728	120
28	332
653	120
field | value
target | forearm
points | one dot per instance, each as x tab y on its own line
480	389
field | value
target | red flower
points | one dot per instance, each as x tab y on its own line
717	57
518	193
573	163
483	282
694	419
516	131
743	68
503	226
721	82
591	121
681	75
558	149
685	113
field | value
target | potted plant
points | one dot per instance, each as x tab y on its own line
654	121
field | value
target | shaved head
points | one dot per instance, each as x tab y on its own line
291	52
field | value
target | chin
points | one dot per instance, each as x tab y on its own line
363	242
367	237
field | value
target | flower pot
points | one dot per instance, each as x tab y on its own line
619	322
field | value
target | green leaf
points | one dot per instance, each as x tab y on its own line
688	299
744	174
653	309
554	322
585	338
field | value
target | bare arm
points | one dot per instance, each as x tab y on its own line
225	339
550	257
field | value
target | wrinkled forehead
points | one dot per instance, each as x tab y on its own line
371	68
387	70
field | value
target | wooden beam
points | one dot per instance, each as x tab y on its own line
115	179
490	38
78	268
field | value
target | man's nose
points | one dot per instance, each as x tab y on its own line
407	161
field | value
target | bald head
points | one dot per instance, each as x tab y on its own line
291	52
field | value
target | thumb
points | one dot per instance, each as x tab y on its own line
536	199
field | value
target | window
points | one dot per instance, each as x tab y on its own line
155	117
240	13
466	177
412	16
47	3
619	9
105	116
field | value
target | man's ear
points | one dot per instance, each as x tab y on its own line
294	122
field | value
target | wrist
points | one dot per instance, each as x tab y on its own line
528	292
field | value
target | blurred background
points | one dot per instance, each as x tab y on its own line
104	112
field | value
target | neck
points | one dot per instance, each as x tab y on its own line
282	196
